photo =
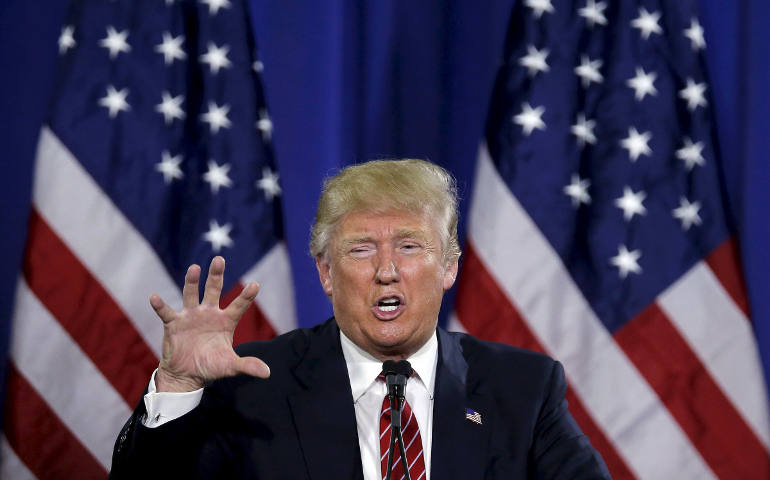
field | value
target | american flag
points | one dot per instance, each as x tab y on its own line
156	154
597	234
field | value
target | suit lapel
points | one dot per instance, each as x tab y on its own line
323	411
459	445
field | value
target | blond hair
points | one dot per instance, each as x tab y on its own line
385	185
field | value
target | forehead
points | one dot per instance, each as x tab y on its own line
365	224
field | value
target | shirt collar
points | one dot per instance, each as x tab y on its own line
363	367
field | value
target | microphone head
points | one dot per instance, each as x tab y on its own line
402	367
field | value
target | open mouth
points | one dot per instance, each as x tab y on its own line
388	307
388	304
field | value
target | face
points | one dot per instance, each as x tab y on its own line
385	276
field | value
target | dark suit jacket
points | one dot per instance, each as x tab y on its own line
300	423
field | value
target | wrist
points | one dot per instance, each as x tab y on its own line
166	381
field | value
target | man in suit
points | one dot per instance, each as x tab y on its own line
386	249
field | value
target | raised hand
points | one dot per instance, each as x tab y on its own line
198	340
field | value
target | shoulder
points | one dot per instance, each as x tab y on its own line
290	345
505	369
483	352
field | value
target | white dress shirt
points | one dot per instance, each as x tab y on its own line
368	393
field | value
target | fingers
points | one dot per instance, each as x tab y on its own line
241	303
190	289
252	366
214	281
165	312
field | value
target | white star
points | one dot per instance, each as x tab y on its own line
216	117
539	6
258	66
169	167
643	83
170	107
687	213
218	235
269	183
529	118
216	57
115	41
171	48
631	203
215	5
690	153
647	23
216	176
578	190
534	60
636	143
593	13
693	93
626	261
265	125
66	39
584	130
695	34
115	101
588	70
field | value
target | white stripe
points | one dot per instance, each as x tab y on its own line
409	421
454	325
11	466
416	434
65	377
533	277
721	336
276	290
412	464
104	240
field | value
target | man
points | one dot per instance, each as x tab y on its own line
386	249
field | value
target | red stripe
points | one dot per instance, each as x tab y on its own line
709	419
487	313
253	325
85	310
40	439
726	265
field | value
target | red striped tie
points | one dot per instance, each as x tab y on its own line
412	444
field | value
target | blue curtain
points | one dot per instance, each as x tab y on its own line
349	81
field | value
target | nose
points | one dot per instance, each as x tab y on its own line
387	272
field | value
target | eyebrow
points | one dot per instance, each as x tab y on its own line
408	233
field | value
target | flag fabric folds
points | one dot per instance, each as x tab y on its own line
156	154
597	234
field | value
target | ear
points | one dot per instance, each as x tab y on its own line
450	274
325	275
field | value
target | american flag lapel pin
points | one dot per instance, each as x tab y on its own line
473	416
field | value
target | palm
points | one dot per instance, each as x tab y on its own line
198	340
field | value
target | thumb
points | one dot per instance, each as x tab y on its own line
252	366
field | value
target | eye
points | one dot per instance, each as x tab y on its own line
360	250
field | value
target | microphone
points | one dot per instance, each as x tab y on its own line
396	375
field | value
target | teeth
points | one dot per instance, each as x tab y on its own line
388	304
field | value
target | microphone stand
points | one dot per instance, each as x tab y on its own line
396	374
